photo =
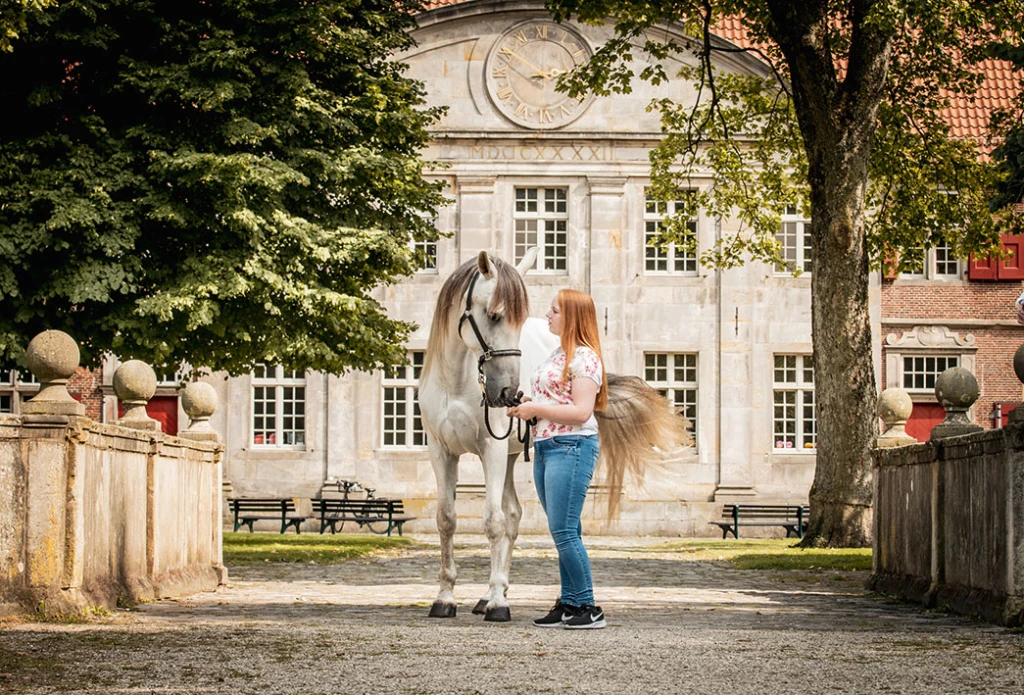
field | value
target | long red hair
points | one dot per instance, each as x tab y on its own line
579	327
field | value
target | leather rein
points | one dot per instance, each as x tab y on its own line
488	354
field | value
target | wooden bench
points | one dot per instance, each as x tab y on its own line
377	514
249	510
792	517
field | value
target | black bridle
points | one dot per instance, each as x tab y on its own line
488	354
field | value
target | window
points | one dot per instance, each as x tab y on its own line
935	263
401	422
278	407
921	371
795	238
16	387
426	254
670	259
675	376
541	219
793	418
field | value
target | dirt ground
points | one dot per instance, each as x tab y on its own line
674	627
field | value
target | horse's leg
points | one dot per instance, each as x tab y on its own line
513	513
495	466
446	470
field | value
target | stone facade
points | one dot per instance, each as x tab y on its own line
723	330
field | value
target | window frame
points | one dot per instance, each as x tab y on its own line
278	382
408	381
671	255
803	252
928	375
541	216
17	389
800	387
670	387
930	262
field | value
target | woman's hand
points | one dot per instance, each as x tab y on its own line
524	411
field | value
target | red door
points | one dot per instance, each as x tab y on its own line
923	419
161	408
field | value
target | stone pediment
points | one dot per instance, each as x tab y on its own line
931	338
495	65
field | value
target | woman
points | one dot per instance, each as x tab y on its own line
567	388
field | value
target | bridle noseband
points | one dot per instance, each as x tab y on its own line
488	354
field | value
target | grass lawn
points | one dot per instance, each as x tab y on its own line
258	548
769	554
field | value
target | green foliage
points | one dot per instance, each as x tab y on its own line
220	183
742	130
259	548
14	17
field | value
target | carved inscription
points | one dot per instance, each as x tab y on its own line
543	153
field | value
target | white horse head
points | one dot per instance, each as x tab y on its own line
484	305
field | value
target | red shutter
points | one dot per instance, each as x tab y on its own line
890	266
982	269
1011	268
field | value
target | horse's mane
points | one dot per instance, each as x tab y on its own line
509	296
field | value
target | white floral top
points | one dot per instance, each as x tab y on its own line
549	389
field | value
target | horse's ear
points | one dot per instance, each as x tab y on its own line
483	263
529	258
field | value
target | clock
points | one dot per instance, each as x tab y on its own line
523	68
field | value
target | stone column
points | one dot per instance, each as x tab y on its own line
956	389
53	532
135	384
199	400
894	407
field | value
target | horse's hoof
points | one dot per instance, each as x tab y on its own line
481	607
442	610
500	614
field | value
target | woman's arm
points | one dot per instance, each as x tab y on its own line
584	393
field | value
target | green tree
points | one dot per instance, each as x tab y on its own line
845	121
14	16
218	182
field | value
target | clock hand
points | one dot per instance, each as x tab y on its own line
525	61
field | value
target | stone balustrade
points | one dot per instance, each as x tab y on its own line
948	513
94	513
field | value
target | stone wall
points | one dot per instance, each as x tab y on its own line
94	514
949	519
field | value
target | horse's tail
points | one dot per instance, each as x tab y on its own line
637	428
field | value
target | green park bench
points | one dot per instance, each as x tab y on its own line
792	517
248	510
377	514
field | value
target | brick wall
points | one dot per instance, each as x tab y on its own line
973	300
992	301
85	385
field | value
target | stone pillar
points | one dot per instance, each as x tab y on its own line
956	389
1017	414
135	384
53	533
199	400
894	407
52	356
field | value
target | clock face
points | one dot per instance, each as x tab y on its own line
523	69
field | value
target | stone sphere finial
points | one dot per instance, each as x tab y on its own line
135	384
52	356
895	407
1017	414
199	400
956	389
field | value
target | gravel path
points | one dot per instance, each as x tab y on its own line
674	627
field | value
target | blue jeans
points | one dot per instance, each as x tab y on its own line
562	469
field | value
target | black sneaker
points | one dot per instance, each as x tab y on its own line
587	617
557	616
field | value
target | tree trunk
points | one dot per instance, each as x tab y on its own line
837	121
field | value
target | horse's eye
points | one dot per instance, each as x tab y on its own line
495	318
